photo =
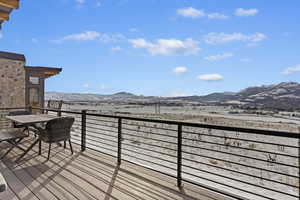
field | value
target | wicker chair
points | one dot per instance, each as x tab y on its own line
56	130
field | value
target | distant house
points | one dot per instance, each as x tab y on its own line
22	85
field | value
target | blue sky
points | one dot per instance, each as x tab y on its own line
158	47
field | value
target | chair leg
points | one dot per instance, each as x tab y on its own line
49	151
65	144
11	148
40	147
26	129
71	146
31	146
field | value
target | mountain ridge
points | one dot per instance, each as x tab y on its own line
285	95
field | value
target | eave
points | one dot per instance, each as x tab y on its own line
6	6
47	71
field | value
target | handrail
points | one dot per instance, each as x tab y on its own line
178	145
190	124
13	108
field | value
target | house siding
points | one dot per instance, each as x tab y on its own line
12	83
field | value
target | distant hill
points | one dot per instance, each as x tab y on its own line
124	94
285	96
88	97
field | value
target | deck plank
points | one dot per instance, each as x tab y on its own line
21	190
58	177
8	194
45	177
88	175
20	171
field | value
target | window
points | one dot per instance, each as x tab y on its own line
34	97
34	80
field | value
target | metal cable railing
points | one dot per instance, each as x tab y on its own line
234	161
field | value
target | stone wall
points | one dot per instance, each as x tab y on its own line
12	83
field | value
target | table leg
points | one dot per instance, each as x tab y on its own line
31	146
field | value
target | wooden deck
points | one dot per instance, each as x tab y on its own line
87	175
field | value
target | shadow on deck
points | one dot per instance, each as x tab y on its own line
87	175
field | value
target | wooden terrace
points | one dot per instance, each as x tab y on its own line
86	175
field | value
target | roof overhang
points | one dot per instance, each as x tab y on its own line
12	56
47	71
6	6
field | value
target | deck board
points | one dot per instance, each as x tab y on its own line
87	175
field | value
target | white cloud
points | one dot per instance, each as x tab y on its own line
217	16
245	12
222	38
219	57
210	77
116	48
190	12
90	36
291	70
167	47
87	86
257	37
180	70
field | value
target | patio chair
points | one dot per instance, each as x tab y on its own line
2	183
20	112
12	136
56	130
53	104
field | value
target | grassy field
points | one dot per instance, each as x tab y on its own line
210	156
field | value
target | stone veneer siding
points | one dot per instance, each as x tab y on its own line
12	83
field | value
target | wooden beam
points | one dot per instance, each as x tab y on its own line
10	3
4	15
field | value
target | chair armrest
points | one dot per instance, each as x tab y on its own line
38	129
3	185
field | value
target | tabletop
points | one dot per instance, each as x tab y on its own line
31	119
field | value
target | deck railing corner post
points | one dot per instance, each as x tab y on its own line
299	162
83	130
179	156
119	140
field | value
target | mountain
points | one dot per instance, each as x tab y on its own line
214	97
87	97
124	94
283	96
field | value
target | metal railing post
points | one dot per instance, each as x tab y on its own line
119	140
30	109
83	130
179	155
299	162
